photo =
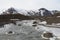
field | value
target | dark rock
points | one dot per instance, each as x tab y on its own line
34	22
10	32
34	25
48	35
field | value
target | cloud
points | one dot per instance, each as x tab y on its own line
30	4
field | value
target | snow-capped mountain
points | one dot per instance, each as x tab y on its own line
44	12
23	12
40	12
33	13
10	11
15	11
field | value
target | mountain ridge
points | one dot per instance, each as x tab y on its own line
40	12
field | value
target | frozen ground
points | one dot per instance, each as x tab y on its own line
23	30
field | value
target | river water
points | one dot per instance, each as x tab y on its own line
23	30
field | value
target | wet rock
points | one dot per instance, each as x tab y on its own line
34	22
48	35
19	24
34	25
10	32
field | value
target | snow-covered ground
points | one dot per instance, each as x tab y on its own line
25	29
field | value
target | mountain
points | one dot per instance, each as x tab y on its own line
44	12
40	12
33	13
10	11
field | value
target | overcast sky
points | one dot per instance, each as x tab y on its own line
30	4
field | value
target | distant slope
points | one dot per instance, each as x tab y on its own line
7	17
